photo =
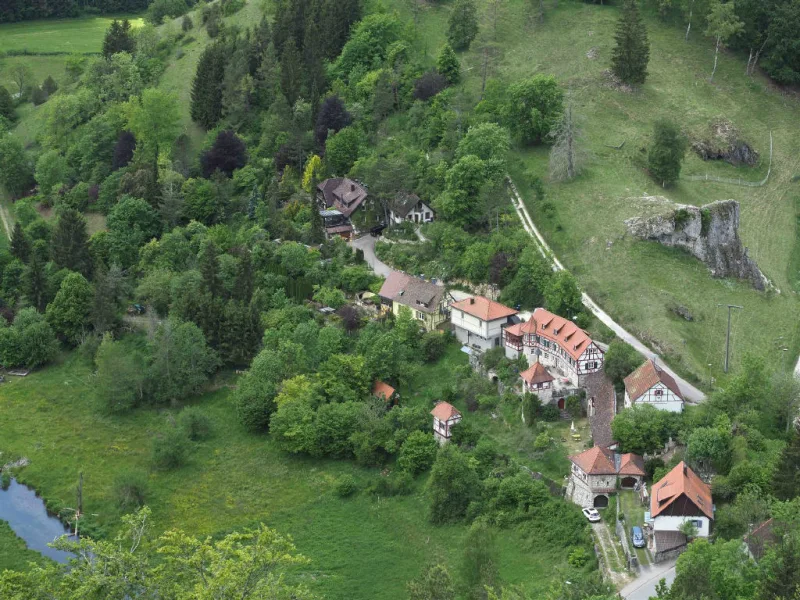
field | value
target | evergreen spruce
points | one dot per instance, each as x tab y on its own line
206	108
35	281
632	52
666	153
118	39
20	246
49	85
208	260
69	245
291	72
447	64
786	482
6	104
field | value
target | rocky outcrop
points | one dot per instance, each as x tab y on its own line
710	233
725	143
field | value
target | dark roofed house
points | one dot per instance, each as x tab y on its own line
341	193
409	207
425	299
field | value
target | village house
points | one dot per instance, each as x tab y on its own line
445	416
537	380
650	384
555	342
680	496
408	207
478	322
385	392
424	298
336	224
595	473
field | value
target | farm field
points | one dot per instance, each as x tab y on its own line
637	282
359	547
80	35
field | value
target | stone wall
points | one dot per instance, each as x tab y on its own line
710	233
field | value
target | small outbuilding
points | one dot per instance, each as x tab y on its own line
537	380
383	390
445	416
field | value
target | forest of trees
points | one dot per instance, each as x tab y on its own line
23	10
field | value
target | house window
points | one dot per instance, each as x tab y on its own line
591	365
658	392
420	316
697	523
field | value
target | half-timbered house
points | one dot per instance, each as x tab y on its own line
650	384
557	343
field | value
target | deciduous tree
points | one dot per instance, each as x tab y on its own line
462	25
68	313
722	24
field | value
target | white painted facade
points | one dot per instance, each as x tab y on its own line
671	523
555	358
659	396
473	331
421	213
442	430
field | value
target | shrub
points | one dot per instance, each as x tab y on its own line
170	449
651	465
578	557
346	486
542	441
396	484
488	401
187	23
38	96
574	406
465	435
429	85
550	413
433	346
130	489
418	452
5	480
194	423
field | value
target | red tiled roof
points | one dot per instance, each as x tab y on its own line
483	308
595	461
681	481
536	374
631	464
563	332
444	411
381	389
645	377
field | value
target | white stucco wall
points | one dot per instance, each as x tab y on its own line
667	523
667	400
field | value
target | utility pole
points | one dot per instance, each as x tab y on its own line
728	336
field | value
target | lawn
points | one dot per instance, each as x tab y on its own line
14	554
361	547
638	282
79	35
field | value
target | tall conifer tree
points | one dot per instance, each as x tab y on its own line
69	244
20	246
291	72
632	51
206	106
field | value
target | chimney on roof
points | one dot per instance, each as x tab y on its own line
472	300
684	470
352	187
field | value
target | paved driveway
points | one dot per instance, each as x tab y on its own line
644	586
367	244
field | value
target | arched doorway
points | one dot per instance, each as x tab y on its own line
601	501
561	404
628	482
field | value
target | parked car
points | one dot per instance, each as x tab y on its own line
637	537
591	514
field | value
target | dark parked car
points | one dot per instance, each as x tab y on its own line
637	537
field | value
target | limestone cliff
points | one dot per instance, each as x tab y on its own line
710	233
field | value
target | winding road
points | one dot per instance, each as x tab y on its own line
690	392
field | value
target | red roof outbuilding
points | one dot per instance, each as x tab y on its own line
444	411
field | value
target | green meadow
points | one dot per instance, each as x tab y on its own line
81	35
583	220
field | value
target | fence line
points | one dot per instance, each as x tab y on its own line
738	181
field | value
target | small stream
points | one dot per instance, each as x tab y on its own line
25	512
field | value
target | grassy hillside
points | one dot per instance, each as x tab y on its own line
80	35
361	547
583	220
